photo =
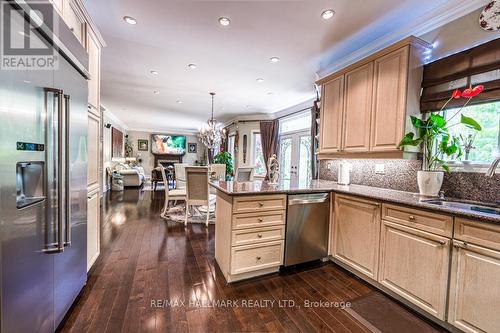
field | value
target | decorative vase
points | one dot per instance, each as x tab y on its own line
430	182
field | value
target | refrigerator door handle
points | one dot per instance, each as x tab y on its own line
57	95
67	101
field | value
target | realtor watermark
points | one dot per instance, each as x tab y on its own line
22	46
246	303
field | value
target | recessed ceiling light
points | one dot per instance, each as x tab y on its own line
192	66
270	93
156	92
327	14
130	20
260	80
224	21
179	101
274	59
154	72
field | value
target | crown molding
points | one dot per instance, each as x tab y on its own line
432	20
110	115
173	132
83	10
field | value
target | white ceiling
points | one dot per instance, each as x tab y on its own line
171	34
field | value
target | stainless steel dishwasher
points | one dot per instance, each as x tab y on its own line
307	227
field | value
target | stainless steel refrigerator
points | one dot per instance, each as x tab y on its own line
43	193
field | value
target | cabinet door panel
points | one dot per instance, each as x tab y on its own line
332	105
358	105
94	69
74	20
93	139
414	264
474	289
93	225
389	100
356	233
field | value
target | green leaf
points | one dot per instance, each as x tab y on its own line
417	122
445	168
438	120
469	122
408	140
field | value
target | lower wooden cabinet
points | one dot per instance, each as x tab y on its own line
357	233
93	228
414	264
474	288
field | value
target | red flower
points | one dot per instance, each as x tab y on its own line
469	93
456	94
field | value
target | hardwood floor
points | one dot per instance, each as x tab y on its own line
146	261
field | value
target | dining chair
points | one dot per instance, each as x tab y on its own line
180	175
174	194
197	191
245	174
218	171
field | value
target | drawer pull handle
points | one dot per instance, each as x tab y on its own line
411	218
261	220
259	235
442	242
258	258
261	204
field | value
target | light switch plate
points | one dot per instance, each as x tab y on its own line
380	168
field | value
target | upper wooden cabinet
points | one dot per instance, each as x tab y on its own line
389	100
332	114
94	50
357	112
368	104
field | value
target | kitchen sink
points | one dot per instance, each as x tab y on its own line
482	208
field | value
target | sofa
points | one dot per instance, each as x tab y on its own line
132	175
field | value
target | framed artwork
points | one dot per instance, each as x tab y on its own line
142	144
192	148
116	143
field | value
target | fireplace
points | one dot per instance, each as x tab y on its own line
164	160
167	160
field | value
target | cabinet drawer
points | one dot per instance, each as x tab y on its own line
419	219
258	235
256	220
258	203
479	233
249	258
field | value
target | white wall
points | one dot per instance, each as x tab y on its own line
459	35
148	158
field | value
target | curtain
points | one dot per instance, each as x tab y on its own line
269	132
478	65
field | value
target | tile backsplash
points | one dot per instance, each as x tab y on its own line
402	175
398	174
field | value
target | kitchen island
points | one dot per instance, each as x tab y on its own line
422	254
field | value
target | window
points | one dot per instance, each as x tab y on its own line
297	122
230	148
487	141
257	155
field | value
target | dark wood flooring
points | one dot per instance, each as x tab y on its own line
145	259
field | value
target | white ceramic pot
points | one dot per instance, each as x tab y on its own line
430	182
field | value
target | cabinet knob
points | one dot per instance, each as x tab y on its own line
259	235
261	204
258	258
261	220
411	218
442	242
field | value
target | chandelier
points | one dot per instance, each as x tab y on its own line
213	133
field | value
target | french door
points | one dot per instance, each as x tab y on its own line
295	156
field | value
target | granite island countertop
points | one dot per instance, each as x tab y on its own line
234	188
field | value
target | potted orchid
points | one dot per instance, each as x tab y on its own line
437	141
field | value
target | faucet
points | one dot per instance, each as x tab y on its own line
493	167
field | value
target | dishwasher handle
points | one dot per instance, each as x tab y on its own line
308	199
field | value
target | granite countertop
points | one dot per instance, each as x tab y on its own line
314	186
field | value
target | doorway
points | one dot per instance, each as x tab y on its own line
295	148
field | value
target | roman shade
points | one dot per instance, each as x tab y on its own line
478	65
